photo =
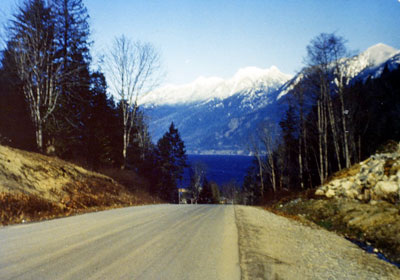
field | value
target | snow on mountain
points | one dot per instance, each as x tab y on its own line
371	60
218	116
206	89
378	54
369	63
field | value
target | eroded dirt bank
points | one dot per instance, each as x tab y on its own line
35	187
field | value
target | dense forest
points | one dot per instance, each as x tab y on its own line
330	123
52	101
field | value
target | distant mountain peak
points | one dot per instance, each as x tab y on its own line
379	53
381	47
207	88
254	72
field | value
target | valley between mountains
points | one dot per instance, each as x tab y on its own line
252	97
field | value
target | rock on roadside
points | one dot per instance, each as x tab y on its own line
377	178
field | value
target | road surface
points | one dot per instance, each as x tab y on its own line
148	242
182	242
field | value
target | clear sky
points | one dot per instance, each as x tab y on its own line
218	37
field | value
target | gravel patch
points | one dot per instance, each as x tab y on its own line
274	247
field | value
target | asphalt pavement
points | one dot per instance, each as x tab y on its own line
146	242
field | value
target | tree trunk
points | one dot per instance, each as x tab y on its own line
39	135
271	159
345	132
334	130
301	163
301	140
325	144
260	170
124	148
320	142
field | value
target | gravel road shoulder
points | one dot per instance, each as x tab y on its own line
274	247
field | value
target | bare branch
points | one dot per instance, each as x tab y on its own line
133	70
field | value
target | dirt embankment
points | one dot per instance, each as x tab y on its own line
36	187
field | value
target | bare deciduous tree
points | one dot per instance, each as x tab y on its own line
323	60
339	51
263	147
230	191
198	174
32	34
268	135
133	69
142	138
258	153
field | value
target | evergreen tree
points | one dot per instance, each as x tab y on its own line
16	126
171	161
206	193
101	138
141	148
215	193
69	127
289	149
251	189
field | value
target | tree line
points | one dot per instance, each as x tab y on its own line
330	123
52	100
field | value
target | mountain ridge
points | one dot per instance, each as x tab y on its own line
218	116
369	63
204	89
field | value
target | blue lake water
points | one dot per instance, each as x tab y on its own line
220	169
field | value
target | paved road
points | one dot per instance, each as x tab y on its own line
148	242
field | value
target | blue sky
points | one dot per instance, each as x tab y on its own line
218	37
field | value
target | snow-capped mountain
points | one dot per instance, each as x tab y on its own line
214	88
368	64
218	116
373	61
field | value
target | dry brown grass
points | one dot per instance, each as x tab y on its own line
17	208
36	187
283	214
128	178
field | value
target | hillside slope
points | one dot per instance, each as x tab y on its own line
35	187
